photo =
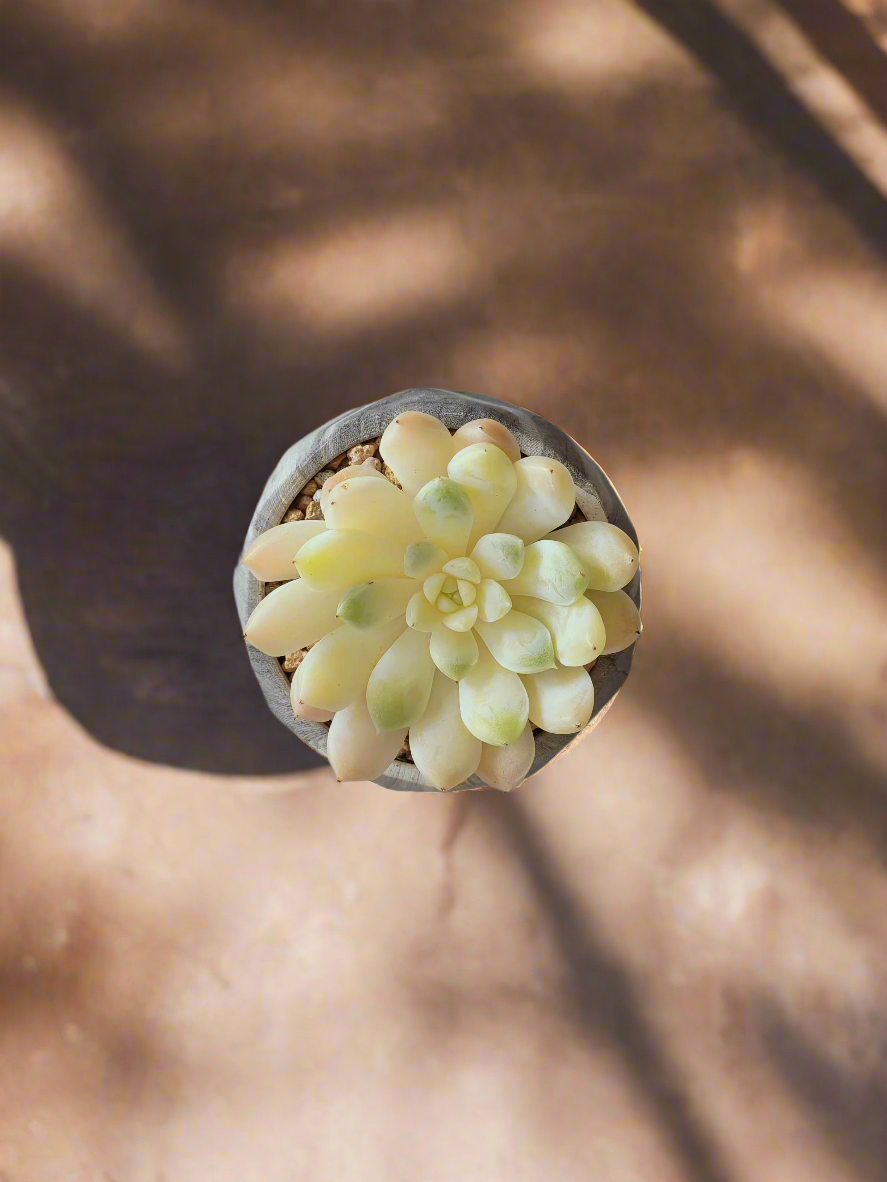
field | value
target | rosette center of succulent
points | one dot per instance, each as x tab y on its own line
450	603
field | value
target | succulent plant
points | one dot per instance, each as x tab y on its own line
454	607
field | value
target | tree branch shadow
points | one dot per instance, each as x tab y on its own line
844	41
605	999
795	763
846	1103
756	89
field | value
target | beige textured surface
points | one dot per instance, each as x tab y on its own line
666	960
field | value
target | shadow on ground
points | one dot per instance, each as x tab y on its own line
229	222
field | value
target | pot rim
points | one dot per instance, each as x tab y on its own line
596	497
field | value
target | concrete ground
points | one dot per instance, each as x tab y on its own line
665	958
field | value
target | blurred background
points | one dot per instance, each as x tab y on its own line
661	224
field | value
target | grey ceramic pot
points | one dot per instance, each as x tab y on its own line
596	496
